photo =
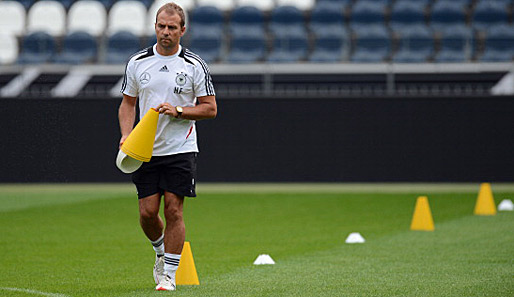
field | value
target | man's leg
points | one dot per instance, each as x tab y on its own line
152	226
174	233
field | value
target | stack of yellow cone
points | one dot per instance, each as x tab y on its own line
422	218
138	147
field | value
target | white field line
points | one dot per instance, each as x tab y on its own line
33	292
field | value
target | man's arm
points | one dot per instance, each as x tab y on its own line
126	116
205	109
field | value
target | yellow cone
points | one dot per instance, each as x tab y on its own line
422	218
139	144
485	202
186	272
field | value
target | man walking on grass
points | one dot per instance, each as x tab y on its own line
177	83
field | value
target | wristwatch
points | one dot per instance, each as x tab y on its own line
179	111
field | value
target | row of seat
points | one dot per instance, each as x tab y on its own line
92	17
374	45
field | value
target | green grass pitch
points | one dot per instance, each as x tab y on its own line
85	240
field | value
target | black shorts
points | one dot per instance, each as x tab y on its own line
174	173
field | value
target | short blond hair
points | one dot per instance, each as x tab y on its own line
172	8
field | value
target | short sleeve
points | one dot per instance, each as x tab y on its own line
202	81
129	86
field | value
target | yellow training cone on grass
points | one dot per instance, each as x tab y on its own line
485	202
139	144
186	272
422	218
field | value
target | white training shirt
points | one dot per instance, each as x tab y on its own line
178	79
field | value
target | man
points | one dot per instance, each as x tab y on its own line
177	83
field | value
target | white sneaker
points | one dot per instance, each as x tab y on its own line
166	284
158	269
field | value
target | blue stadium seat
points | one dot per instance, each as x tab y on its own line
334	4
207	19
289	48
286	20
406	13
107	3
247	48
78	48
499	44
372	45
455	45
26	3
326	19
120	46
37	48
206	45
366	13
66	3
489	13
416	45
247	20
329	48
446	14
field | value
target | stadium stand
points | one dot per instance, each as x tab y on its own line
286	20
406	13
12	18
224	5
329	48
300	4
26	3
447	14
48	16
89	16
207	46
340	5
207	20
366	12
289	48
78	48
129	16
121	46
247	48
326	20
37	48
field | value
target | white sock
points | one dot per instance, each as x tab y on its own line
158	246
171	262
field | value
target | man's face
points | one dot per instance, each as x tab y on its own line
168	30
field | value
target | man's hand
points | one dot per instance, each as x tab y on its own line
168	109
122	140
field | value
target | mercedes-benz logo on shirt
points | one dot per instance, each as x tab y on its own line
180	79
144	78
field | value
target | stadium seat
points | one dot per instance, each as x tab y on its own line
247	48
78	48
416	45
247	20
107	3
224	5
326	19
365	13
455	45
67	3
206	19
499	44
489	13
264	5
48	16
446	14
329	48
12	18
127	16
340	5
206	45
289	48
406	13
121	46
152	13
372	45
8	49
37	48
286	20
300	4
89	16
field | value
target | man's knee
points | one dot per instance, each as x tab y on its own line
173	208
